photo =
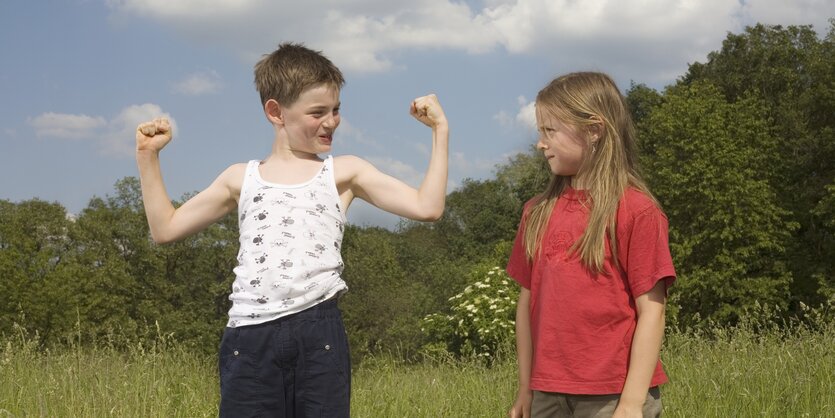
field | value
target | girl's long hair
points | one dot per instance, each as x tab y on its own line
610	166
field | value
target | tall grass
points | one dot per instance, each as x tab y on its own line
744	371
158	379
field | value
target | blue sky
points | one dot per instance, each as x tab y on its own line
76	77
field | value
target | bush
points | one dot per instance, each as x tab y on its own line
481	318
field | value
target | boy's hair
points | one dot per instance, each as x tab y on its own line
291	69
583	100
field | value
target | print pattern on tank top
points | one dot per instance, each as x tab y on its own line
290	240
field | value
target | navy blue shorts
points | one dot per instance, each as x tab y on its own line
296	366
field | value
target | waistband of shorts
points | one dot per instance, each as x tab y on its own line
325	309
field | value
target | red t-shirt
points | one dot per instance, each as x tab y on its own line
582	322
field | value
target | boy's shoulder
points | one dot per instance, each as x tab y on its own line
349	164
235	171
233	177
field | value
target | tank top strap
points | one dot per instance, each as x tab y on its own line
249	184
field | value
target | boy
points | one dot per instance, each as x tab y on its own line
284	351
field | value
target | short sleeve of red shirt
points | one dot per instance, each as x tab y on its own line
518	266
644	249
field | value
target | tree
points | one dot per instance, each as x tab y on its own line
709	163
381	305
33	265
793	72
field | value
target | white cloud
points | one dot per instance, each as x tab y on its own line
120	137
795	12
503	119
469	166
650	41
196	84
66	126
398	169
349	135
526	117
114	137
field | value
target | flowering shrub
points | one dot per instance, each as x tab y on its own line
481	318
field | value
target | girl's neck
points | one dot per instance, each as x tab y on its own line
578	183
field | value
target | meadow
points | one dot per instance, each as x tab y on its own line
728	372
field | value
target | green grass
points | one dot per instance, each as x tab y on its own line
732	373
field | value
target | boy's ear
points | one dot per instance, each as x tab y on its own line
274	112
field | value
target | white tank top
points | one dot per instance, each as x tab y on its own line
290	237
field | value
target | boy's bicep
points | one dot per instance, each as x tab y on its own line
384	191
205	208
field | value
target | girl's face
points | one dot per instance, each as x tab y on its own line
563	145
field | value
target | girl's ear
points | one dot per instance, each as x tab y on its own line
595	129
274	112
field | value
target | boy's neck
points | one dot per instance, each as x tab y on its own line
282	151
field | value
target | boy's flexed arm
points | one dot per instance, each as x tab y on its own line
167	223
427	202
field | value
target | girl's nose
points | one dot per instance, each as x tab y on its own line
540	144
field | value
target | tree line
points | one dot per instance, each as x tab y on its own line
740	152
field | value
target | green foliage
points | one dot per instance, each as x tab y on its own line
728	233
792	71
380	307
740	152
478	215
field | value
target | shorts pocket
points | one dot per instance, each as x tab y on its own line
235	364
326	350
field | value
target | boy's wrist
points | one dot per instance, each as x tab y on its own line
145	154
441	127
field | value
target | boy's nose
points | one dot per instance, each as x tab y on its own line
331	121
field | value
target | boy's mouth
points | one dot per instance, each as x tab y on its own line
327	139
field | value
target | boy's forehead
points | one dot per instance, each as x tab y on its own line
318	94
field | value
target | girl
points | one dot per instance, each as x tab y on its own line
593	260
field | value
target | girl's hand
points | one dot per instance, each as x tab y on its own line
623	411
428	110
153	135
522	407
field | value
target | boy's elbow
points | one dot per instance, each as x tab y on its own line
431	215
161	238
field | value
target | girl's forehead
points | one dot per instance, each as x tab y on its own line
544	117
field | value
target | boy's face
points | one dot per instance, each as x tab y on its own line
311	120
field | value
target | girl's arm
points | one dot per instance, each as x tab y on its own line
522	407
646	345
